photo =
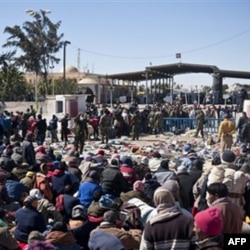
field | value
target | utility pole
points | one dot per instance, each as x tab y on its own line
64	65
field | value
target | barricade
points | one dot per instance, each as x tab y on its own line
172	124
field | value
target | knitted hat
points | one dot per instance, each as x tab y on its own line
79	212
30	174
29	199
93	174
35	235
56	164
101	152
36	192
209	221
228	156
114	163
148	176
187	147
106	201
138	186
127	160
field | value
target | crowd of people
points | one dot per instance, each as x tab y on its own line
109	198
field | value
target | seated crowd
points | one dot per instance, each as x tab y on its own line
111	200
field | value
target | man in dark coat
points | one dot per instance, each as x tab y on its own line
28	219
28	152
112	180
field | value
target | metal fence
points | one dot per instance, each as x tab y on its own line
172	124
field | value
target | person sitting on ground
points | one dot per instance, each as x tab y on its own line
163	173
128	171
150	185
130	239
112	180
137	192
61	237
88	187
80	226
28	219
169	228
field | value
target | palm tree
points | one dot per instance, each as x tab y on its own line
39	42
13	86
6	58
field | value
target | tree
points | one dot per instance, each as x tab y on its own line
13	86
6	59
39	41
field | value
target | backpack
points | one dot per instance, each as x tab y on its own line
131	216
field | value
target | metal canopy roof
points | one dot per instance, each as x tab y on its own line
169	70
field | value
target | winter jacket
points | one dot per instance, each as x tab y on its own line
129	174
28	219
232	215
62	240
113	182
86	191
28	153
172	231
130	239
81	233
136	194
59	180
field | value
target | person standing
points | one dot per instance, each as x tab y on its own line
40	130
225	135
93	121
81	132
151	120
136	122
104	125
243	120
200	117
53	128
64	128
158	121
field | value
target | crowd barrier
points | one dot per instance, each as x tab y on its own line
211	125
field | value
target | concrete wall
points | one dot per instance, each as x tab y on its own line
48	107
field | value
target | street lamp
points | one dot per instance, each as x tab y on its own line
34	13
52	79
64	64
111	87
